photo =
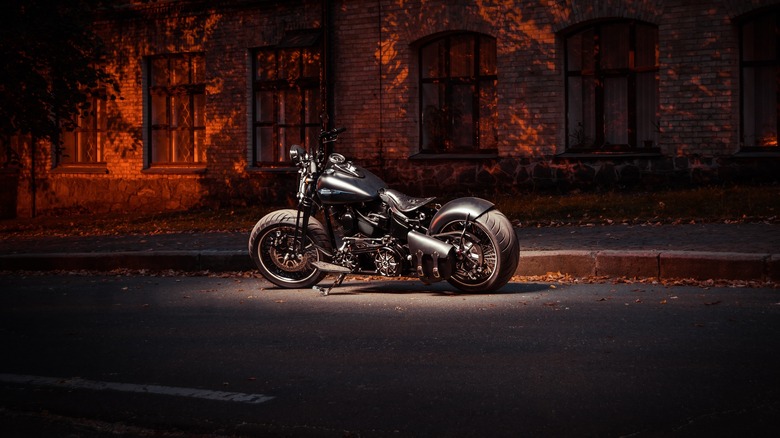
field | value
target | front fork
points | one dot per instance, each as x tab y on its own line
301	225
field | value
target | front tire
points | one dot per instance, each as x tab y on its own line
271	246
488	252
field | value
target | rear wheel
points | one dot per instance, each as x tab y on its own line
487	252
272	248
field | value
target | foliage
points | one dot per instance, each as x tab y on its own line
51	62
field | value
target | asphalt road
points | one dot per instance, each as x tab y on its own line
180	356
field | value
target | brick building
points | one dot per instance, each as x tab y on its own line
437	95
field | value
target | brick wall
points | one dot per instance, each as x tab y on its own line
375	86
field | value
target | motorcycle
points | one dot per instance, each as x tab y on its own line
349	222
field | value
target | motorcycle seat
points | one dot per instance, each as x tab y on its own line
401	202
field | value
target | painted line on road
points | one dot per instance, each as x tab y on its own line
79	383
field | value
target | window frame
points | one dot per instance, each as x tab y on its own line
754	64
306	87
447	81
190	89
599	74
97	130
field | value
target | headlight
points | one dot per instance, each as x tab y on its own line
296	153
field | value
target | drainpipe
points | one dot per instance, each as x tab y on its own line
381	140
327	71
33	141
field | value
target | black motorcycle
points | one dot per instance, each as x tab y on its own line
367	228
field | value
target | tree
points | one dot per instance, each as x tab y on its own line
50	62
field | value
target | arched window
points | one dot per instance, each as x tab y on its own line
458	97
760	76
612	87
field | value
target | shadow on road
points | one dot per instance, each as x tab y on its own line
440	289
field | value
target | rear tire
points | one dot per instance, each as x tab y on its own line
488	252
271	249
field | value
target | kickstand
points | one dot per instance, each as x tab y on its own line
326	291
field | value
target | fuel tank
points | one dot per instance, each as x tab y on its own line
344	183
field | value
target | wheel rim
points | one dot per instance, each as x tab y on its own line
275	252
477	255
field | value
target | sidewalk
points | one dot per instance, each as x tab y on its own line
700	251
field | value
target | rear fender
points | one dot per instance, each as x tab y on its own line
459	210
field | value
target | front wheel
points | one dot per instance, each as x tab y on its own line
487	252
273	249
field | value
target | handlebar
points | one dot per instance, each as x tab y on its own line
332	134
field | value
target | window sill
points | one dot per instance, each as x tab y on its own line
768	152
453	156
259	169
93	169
173	169
597	155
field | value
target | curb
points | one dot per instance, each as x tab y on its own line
698	265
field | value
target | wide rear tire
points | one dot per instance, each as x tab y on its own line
271	248
488	252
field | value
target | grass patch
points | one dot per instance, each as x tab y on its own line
709	204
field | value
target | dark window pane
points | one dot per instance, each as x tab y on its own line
182	146
582	117
68	153
646	46
487	56
312	136
180	71
433	117
614	46
265	144
290	65
760	106
181	115
160	145
462	56
198	73
264	102
462	117
292	108
433	62
287	138
647	109
574	52
198	107
159	108
759	39
760	80
160	74
265	68
312	106
616	111
311	64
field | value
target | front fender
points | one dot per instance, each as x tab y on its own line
459	209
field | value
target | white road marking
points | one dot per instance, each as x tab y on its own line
79	383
